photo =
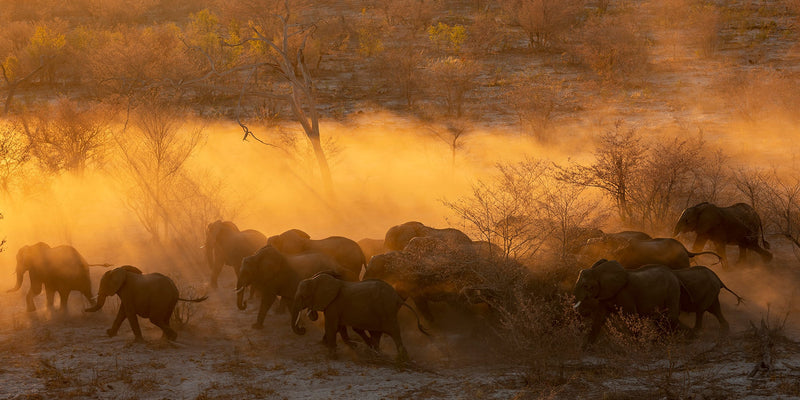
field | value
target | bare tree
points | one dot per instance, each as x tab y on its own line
543	20
616	170
571	213
451	79
453	135
401	66
14	154
535	101
67	136
506	211
278	40
154	151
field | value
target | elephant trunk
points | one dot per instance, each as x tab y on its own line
295	314
240	301
16	287
101	301
681	226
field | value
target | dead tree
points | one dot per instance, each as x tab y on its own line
286	58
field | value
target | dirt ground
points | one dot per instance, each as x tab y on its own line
46	355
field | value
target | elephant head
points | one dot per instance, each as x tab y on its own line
217	231
690	218
292	241
316	294
29	259
600	282
399	235
111	283
264	268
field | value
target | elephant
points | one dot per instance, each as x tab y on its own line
433	270
60	269
152	296
602	245
369	305
607	286
738	224
371	247
344	251
276	274
664	251
700	288
227	245
398	236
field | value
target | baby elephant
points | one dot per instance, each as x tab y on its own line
147	295
369	305
700	289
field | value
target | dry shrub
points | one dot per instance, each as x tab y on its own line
614	47
485	34
14	155
450	79
535	101
631	333
184	311
544	21
400	67
67	136
760	93
533	316
650	182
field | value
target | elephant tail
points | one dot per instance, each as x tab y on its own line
739	299
419	325
204	298
719	259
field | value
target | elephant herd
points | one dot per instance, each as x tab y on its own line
362	285
652	276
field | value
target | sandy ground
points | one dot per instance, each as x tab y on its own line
217	355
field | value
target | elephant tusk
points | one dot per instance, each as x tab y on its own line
297	320
578	304
241	289
95	298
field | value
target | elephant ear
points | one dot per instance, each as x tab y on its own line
326	289
113	280
611	278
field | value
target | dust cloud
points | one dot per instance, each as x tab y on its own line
386	170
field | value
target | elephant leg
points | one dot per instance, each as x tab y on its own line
598	320
742	255
215	271
133	320
346	337
423	307
64	299
367	339
402	353
698	320
117	322
329	339
35	289
169	333
51	297
376	339
716	310
266	303
720	247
